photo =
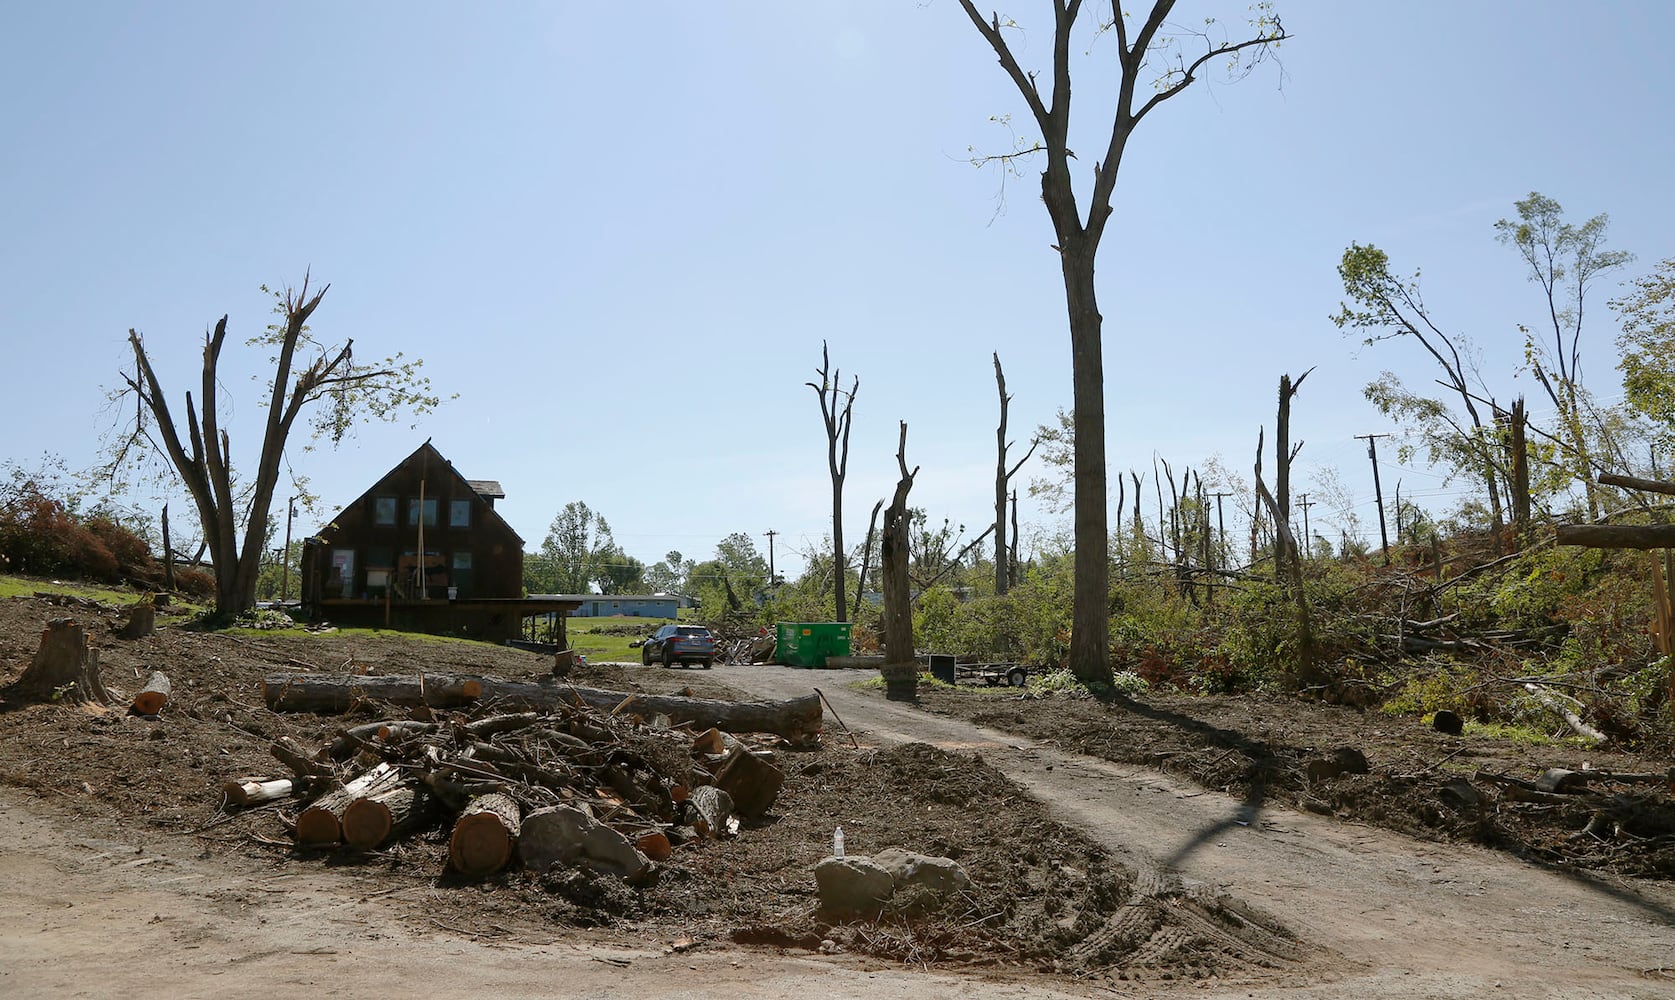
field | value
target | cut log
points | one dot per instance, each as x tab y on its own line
1571	719
321	824
154	695
334	693
752	782
142	621
372	819
484	835
1631	482
654	845
711	809
254	791
350	741
64	667
1618	536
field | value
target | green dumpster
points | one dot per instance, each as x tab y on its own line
807	644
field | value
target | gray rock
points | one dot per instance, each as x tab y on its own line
942	876
853	884
567	835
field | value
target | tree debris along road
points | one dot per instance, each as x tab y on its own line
794	719
1419	919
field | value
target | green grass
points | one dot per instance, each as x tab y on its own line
19	586
606	639
1520	734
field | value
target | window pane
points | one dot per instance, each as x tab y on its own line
383	510
413	512
461	577
459	513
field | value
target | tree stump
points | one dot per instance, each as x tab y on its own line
142	619
484	835
64	667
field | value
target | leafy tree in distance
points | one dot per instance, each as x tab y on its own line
577	546
1647	343
1149	49
337	389
1564	259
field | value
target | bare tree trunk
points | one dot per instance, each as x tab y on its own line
1013	555
168	553
1520	474
1077	244
866	549
1288	568
901	666
1003	479
837	420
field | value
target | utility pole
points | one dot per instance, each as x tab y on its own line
1304	502
1378	493
290	512
773	578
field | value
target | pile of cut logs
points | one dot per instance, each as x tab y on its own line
560	776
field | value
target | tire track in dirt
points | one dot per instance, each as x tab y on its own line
1411	918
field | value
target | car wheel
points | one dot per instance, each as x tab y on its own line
668	656
645	656
1016	677
709	662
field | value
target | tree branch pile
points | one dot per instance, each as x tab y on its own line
614	789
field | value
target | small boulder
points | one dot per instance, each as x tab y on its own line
1448	722
853	884
1460	795
567	835
942	876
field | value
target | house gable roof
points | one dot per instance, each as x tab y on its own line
433	459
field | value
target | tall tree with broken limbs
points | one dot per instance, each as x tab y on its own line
1564	259
1003	484
338	390
1149	49
901	665
836	407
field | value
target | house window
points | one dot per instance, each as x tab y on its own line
340	580
413	512
462	573
380	567
459	513
383	510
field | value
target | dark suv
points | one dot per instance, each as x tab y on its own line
673	644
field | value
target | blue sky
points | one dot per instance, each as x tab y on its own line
620	233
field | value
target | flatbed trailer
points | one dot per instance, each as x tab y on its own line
945	669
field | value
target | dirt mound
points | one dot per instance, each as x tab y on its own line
1418	781
1044	897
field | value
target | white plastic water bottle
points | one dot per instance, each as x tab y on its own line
837	842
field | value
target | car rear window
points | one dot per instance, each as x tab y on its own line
695	631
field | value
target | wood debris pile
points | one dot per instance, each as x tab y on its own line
615	790
1626	814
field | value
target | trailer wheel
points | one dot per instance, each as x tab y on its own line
1016	677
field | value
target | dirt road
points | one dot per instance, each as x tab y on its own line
158	917
1412	919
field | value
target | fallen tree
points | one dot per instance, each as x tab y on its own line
795	719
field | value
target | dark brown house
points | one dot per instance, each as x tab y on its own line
422	550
